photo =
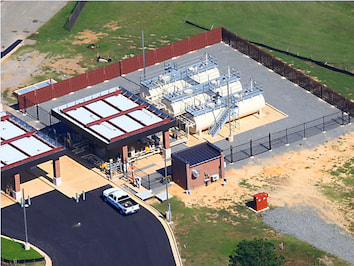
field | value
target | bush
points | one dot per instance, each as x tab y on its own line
255	252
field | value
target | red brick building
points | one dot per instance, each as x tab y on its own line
198	165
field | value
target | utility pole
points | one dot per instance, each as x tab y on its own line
168	212
142	38
24	206
229	107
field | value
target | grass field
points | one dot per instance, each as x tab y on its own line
13	250
341	189
207	236
320	30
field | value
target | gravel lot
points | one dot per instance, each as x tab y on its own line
304	223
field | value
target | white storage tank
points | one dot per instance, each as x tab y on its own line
205	76
161	88
179	107
246	107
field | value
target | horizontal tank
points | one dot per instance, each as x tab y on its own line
177	79
245	107
205	76
162	88
179	107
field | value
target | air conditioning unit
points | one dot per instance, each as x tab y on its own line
214	177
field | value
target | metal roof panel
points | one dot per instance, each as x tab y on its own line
198	154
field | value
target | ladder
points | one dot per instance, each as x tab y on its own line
221	122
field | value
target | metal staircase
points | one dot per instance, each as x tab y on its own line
221	122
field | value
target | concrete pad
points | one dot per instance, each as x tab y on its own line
75	177
36	187
145	195
162	196
6	200
269	115
151	164
22	18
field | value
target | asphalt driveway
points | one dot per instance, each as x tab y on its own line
90	232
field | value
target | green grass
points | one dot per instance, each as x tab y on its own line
342	187
207	236
319	30
8	98
13	250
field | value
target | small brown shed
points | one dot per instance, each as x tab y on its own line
198	165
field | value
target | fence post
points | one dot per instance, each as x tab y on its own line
110	169
251	152
37	111
25	103
304	132
270	142
149	181
342	118
232	156
286	135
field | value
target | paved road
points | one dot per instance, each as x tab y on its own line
104	238
19	19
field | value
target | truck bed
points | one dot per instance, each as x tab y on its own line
121	200
128	202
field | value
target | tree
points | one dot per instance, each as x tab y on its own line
257	252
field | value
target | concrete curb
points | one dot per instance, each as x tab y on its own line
169	233
48	261
12	51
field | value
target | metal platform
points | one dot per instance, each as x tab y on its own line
206	87
173	73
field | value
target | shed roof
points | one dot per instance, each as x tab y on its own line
22	145
113	117
198	154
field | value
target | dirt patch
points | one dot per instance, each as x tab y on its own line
88	37
290	179
164	41
19	72
113	25
67	66
16	73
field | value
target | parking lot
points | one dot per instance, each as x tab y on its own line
90	232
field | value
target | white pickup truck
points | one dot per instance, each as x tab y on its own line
121	200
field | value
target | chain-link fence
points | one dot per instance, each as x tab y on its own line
149	180
75	14
292	74
286	136
41	114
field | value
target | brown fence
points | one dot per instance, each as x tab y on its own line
292	74
117	69
179	48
